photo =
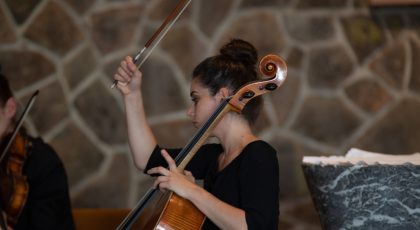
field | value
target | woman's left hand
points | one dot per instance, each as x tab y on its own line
182	183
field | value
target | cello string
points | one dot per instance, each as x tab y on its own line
200	132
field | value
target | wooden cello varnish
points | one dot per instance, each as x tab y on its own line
170	212
180	214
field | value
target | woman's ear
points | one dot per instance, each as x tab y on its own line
223	93
10	108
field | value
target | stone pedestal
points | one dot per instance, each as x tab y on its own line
365	194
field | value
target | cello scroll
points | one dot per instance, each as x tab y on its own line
272	67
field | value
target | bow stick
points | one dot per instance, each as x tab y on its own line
141	56
19	123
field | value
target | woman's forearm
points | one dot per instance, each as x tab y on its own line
140	136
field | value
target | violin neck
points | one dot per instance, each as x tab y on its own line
191	148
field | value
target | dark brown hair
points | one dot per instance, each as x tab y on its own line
233	67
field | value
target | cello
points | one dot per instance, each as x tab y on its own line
167	210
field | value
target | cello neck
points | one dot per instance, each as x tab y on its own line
191	148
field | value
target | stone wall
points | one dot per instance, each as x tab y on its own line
354	81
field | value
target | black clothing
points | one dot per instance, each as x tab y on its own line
48	203
250	182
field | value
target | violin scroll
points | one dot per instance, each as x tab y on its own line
274	71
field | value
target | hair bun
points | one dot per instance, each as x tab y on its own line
240	50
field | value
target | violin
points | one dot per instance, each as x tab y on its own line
14	186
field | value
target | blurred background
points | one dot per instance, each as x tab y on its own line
353	81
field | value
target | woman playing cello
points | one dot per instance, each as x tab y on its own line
241	181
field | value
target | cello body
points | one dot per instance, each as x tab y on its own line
167	210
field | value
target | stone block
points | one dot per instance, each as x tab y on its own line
268	39
326	120
213	14
161	91
307	29
54	29
415	67
363	34
7	34
102	114
50	108
79	67
113	29
80	157
295	58
368	94
267	3
321	4
397	132
24	68
103	192
80	6
390	64
328	67
162	8
21	9
185	48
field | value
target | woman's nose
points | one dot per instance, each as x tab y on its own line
190	112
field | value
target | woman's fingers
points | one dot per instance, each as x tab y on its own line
122	75
162	183
125	69
159	170
130	64
189	175
168	159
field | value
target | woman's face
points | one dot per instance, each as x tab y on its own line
5	122
203	104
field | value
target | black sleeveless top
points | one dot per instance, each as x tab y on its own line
250	182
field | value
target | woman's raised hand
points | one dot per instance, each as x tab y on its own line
128	76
